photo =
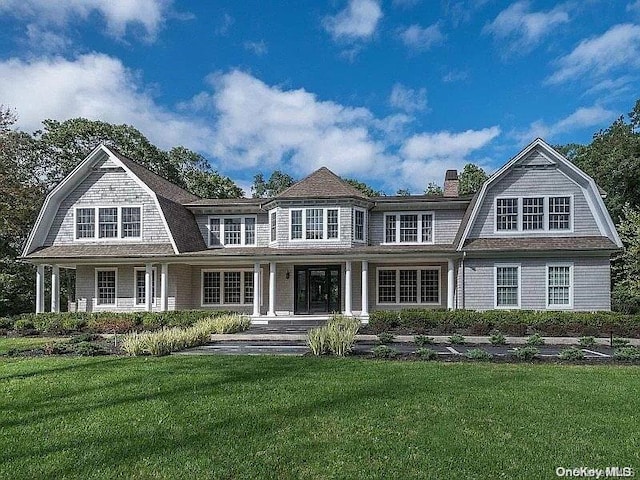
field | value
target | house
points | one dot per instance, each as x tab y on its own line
536	236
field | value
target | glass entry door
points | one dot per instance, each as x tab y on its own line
317	289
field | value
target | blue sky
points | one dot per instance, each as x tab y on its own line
390	92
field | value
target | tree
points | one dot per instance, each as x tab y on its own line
403	192
433	189
471	179
199	178
625	272
277	183
366	190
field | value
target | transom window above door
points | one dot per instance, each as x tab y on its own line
310	224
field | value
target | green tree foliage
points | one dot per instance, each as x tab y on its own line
366	190
403	192
277	183
471	179
433	189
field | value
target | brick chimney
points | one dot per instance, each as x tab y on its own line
451	183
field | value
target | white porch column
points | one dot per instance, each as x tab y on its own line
365	289
55	288
347	288
272	290
450	285
40	289
164	278
256	289
148	290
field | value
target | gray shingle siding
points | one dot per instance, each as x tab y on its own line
106	188
535	182
591	290
446	225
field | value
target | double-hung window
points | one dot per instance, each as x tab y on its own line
106	285
507	214
141	289
409	285
232	231
314	224
232	287
533	213
273	226
358	225
559	286
106	223
410	227
559	213
507	282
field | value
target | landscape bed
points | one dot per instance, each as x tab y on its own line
281	417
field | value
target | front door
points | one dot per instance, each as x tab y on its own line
317	289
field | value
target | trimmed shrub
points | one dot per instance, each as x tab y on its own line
384	351
498	338
587	342
385	338
526	353
535	340
6	323
83	337
383	321
627	354
619	342
113	323
88	349
571	353
422	340
23	324
456	339
478	354
427	354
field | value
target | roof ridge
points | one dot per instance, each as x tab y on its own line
351	191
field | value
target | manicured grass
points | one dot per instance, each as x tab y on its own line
24	343
284	417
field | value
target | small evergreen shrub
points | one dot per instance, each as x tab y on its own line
427	353
619	342
627	354
587	342
385	338
456	339
87	349
423	340
571	353
527	353
384	351
498	338
535	340
23	324
478	354
6	323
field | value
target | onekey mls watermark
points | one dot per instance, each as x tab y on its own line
588	472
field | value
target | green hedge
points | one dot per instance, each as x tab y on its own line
109	322
512	322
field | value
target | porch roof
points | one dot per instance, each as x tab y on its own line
97	250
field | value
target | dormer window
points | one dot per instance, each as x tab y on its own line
108	223
232	231
314	224
408	227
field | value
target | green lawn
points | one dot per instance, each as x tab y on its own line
286	417
24	343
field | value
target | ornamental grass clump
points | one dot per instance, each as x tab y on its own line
336	337
317	341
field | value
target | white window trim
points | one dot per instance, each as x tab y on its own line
419	214
364	225
96	298
242	231
244	273
545	203
135	286
495	286
419	285
96	232
324	225
274	213
546	282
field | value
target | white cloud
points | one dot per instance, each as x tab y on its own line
420	38
408	99
94	86
634	7
617	48
525	29
259	48
583	117
240	122
358	20
455	76
117	14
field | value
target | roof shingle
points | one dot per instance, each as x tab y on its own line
322	183
539	243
